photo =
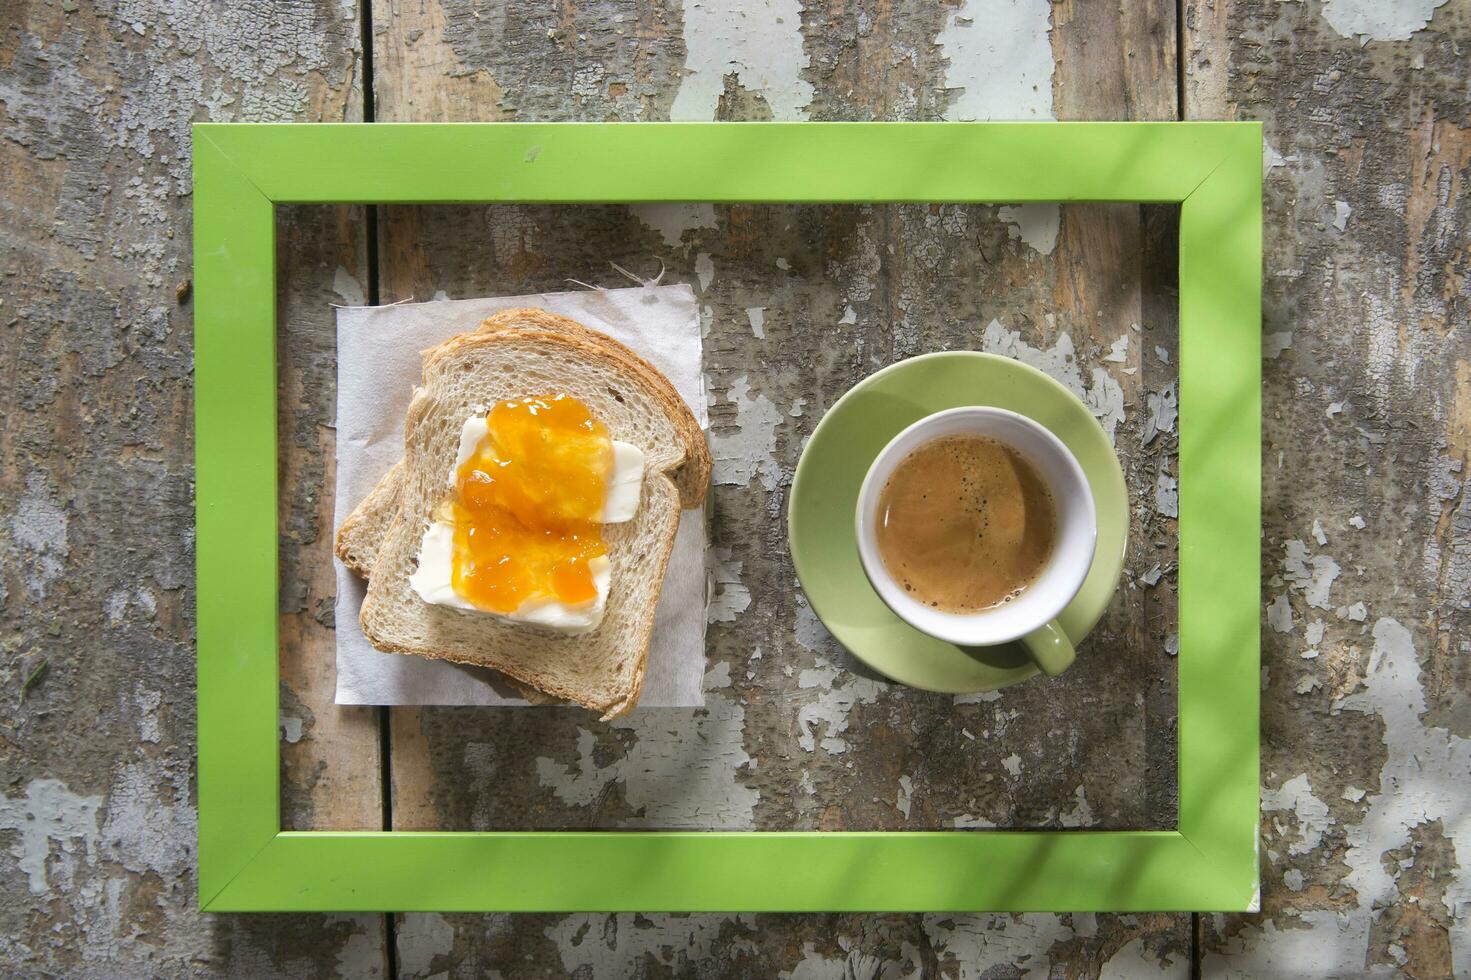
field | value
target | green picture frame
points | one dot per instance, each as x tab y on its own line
1209	862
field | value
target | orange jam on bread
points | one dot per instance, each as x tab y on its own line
528	503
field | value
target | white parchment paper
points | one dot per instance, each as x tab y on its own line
377	368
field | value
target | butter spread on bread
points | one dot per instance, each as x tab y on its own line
528	545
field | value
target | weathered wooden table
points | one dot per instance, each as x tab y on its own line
1367	546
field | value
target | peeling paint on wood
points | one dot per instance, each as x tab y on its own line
1386	20
758	43
97	833
1365	322
1368	422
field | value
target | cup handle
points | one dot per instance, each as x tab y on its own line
1050	647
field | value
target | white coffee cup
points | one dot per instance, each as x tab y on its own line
1031	617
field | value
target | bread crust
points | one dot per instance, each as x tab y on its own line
356	542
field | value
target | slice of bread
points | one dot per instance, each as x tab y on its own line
604	669
364	529
358	537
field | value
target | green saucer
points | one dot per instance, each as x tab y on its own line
825	493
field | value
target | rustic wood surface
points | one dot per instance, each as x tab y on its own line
1367	544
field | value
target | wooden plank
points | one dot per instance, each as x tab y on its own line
1365	684
1120	265
331	775
800	303
96	502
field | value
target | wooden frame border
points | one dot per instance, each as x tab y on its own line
247	863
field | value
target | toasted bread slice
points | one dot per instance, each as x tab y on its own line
364	529
358	537
604	669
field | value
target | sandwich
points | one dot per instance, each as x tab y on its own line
528	526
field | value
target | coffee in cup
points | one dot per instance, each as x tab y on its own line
977	526
965	523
